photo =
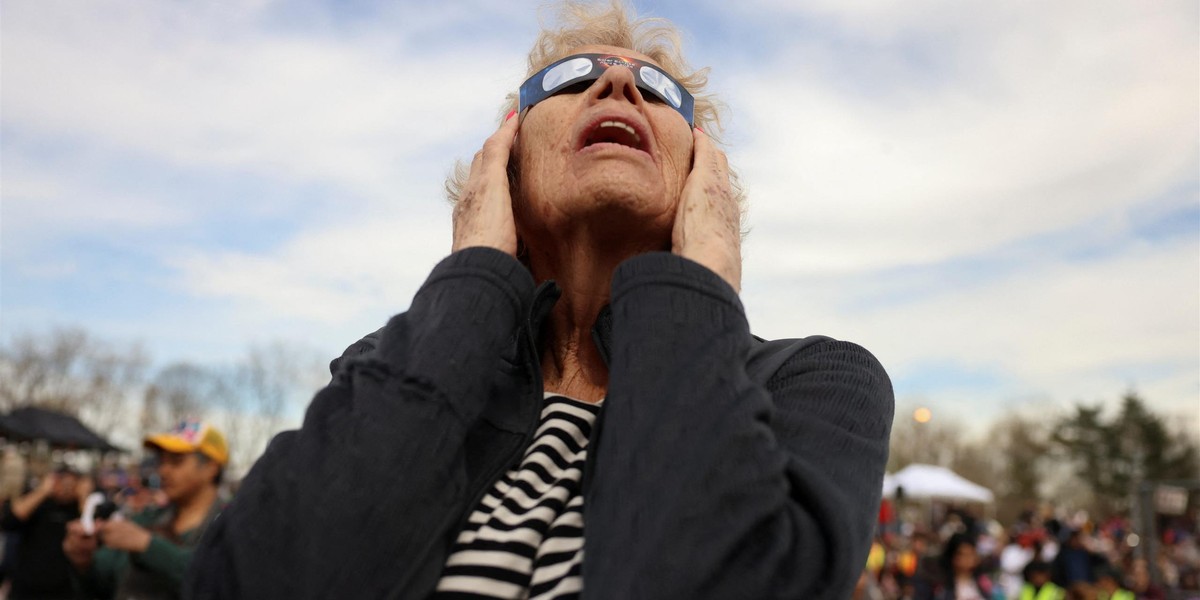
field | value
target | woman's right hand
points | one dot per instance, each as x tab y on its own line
484	215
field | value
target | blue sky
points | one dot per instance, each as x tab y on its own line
1001	200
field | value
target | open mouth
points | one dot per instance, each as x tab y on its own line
612	131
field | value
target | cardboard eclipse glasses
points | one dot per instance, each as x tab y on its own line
580	68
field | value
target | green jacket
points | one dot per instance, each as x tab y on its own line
150	575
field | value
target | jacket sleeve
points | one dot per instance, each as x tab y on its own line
329	508
164	557
100	580
9	520
707	485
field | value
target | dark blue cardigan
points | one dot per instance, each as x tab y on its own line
721	466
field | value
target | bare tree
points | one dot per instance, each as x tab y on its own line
268	388
1019	445
181	390
936	442
268	374
70	371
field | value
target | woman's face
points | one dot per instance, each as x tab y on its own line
601	154
965	559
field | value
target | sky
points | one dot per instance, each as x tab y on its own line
1001	200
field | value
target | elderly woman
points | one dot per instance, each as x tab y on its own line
573	405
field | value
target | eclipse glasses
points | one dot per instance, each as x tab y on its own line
581	68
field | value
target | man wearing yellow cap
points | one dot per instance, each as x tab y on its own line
145	555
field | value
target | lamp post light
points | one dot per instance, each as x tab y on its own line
921	416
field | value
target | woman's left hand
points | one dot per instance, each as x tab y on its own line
708	220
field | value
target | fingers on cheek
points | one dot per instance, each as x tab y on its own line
465	204
489	149
717	160
699	150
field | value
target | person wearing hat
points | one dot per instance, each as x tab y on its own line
146	555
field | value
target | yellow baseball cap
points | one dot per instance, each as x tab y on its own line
192	435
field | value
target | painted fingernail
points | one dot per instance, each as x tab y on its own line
700	130
510	115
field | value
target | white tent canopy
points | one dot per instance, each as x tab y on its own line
938	483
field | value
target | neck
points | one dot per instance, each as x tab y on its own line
571	363
193	509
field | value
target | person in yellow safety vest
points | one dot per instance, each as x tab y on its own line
906	563
1037	583
876	558
1108	585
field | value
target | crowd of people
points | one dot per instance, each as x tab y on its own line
147	517
115	532
1041	556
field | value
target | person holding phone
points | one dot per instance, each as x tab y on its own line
39	518
145	555
573	404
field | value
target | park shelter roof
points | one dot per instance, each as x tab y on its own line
58	429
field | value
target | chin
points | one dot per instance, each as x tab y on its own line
625	212
617	199
618	192
612	201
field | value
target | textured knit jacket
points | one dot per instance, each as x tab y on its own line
720	466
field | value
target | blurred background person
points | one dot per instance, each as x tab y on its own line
1015	557
1140	583
1037	585
145	555
39	518
12	484
1074	566
960	578
1108	585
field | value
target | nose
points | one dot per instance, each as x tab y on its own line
617	83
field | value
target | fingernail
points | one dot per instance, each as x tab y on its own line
700	130
510	114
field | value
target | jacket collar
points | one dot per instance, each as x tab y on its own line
517	414
544	299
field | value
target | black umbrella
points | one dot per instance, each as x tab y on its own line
57	429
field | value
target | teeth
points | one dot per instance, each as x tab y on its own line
637	138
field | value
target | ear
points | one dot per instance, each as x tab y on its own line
210	468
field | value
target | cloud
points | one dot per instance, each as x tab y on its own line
983	195
46	200
332	275
1068	330
195	88
961	188
265	163
1018	131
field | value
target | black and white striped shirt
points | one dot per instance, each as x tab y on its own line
525	539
